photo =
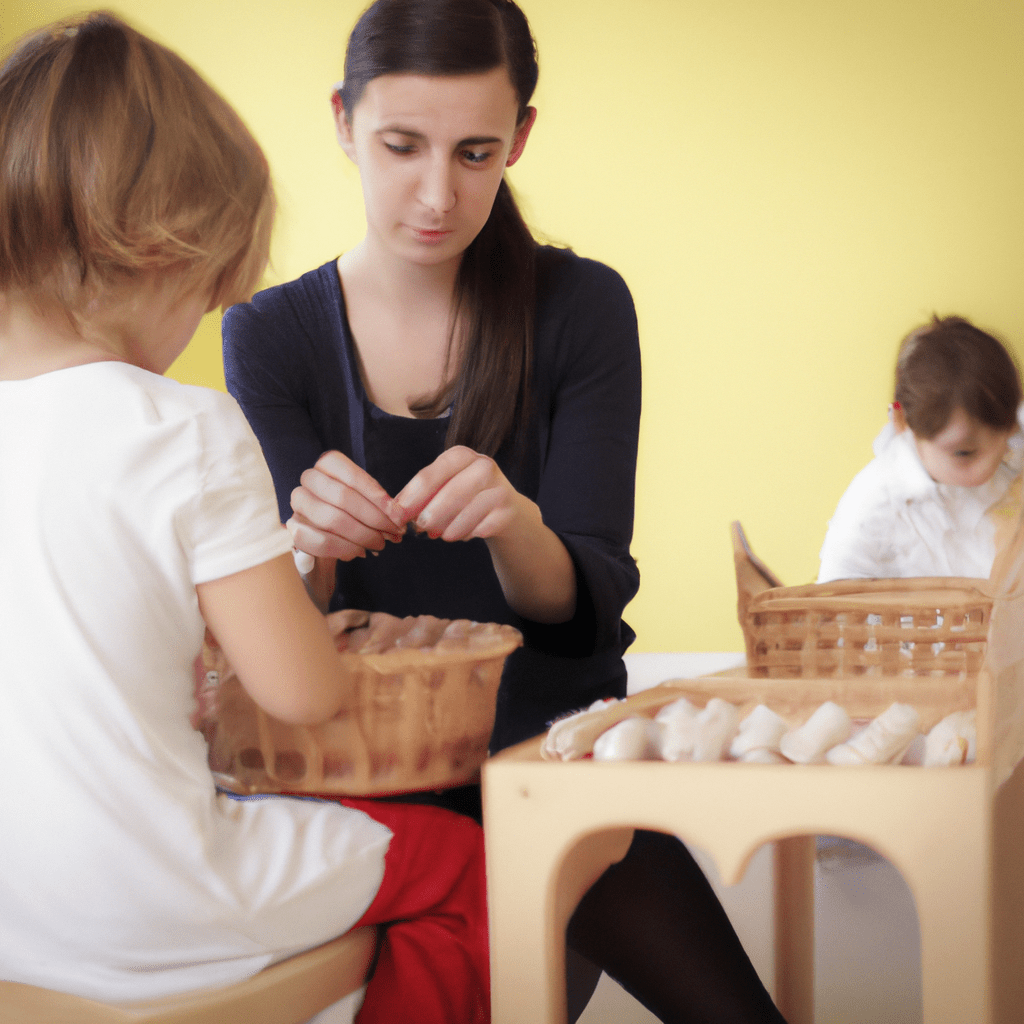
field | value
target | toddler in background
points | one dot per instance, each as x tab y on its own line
133	200
944	486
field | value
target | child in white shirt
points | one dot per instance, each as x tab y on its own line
944	486
134	511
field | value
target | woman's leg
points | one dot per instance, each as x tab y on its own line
433	965
581	978
655	925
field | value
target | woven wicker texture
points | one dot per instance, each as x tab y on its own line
898	627
426	691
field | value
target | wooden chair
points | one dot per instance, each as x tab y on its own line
290	992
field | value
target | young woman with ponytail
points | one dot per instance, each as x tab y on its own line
450	375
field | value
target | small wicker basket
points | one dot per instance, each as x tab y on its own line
422	719
892	627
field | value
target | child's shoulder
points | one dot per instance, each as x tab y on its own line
894	476
138	406
874	484
861	526
179	394
890	480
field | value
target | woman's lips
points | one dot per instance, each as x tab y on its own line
430	236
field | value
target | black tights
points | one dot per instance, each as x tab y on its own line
654	924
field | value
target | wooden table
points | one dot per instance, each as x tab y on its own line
955	835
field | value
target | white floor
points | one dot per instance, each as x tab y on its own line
867	952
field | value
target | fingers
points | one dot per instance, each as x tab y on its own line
312	540
415	495
339	481
341	511
460	495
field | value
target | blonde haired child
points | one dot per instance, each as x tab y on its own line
944	484
133	508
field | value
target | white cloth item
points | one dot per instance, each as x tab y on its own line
678	722
123	874
717	726
894	521
828	726
762	729
885	738
633	739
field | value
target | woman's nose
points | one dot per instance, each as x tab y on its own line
437	187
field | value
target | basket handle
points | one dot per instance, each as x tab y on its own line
753	577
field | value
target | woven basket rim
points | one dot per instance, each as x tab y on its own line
403	658
861	598
896	585
864	605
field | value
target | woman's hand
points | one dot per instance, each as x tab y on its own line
463	494
340	511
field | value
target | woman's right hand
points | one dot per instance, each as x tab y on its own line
340	511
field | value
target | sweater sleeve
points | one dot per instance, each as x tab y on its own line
275	370
587	323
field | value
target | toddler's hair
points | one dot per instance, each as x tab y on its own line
950	364
116	160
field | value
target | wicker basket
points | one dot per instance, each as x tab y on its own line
893	627
426	691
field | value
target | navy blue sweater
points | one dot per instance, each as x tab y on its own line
290	363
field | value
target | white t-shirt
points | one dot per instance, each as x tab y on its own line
123	874
895	521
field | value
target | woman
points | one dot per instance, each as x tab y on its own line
485	390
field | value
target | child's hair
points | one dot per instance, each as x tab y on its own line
116	160
495	284
950	364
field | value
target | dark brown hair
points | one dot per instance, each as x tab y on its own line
117	159
495	287
950	364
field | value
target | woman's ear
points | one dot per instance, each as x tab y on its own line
521	135
342	127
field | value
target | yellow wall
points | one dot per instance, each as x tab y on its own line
787	188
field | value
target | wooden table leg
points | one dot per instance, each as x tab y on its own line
794	928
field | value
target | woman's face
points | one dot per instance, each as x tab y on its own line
965	452
431	152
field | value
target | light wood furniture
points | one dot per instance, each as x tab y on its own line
290	992
956	834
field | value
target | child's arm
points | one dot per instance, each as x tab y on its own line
277	642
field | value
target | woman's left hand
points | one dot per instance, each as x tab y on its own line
460	495
463	494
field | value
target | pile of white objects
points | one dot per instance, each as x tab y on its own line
682	732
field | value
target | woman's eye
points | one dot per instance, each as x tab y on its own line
475	156
397	148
